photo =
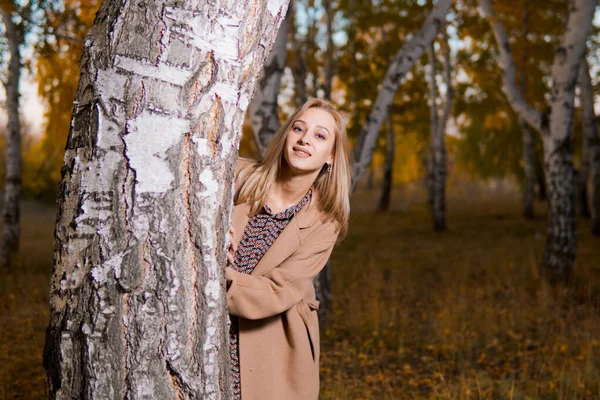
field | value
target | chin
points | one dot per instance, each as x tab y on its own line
300	166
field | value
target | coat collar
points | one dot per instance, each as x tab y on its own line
289	239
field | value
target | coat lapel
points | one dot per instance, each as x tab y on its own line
286	244
288	241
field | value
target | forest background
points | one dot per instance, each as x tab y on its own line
456	314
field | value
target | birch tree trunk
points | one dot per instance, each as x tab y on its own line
528	144
264	110
591	140
437	163
137	297
388	169
406	57
555	130
9	250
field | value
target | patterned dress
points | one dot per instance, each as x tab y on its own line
259	234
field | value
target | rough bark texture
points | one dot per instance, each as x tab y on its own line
263	110
388	169
555	130
137	295
437	157
9	249
406	57
528	144
592	142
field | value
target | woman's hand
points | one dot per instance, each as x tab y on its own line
232	247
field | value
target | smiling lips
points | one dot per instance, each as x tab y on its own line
301	152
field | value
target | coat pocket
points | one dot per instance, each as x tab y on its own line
308	312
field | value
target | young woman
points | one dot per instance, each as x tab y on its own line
290	210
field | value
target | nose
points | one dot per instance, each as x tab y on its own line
303	138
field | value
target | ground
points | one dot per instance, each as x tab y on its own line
416	314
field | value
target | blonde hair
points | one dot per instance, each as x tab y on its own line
332	187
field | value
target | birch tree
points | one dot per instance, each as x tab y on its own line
591	153
437	149
388	167
264	110
527	134
555	128
403	61
137	299
9	246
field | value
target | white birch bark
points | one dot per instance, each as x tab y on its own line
137	297
9	247
437	162
406	57
555	130
264	110
591	141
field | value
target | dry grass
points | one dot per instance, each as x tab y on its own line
418	315
461	314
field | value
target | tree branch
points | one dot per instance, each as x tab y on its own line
514	95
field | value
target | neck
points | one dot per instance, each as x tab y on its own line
290	188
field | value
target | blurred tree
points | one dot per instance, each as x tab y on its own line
388	168
57	70
143	312
528	142
263	109
492	141
591	154
555	127
9	246
404	60
18	19
437	168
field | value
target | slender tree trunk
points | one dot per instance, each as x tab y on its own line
406	57
528	148
433	127
388	169
322	283
556	131
299	69
137	298
583	176
437	163
371	177
9	251
592	142
529	170
264	110
329	67
540	178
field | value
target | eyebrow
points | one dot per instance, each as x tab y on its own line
318	126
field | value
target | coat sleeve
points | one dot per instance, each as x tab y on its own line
257	297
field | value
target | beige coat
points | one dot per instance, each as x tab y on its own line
279	327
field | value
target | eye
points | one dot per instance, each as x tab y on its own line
297	129
320	136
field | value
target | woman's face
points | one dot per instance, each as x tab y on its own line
309	143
